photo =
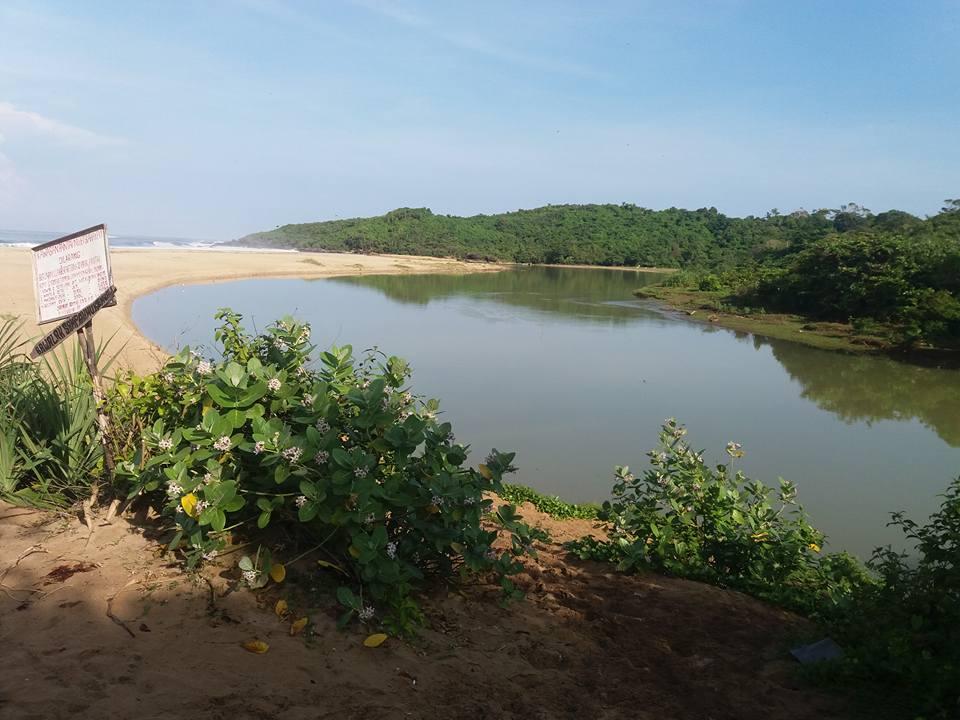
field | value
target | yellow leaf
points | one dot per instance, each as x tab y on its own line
256	646
457	547
354	551
297	626
278	572
280	608
432	509
375	640
485	471
814	547
189	503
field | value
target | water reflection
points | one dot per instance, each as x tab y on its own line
855	388
593	295
860	388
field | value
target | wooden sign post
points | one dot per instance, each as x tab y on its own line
72	281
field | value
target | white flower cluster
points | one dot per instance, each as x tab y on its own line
281	345
308	400
250	576
274	384
292	454
360	472
165	444
201	506
204	367
168	377
322	425
321	457
259	447
174	490
366	613
437	500
391	550
208	479
223	444
210	555
301	501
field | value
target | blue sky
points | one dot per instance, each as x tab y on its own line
214	119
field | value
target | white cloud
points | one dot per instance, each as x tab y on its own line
16	123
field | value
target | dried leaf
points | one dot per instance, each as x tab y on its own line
278	572
189	503
332	566
375	640
280	608
256	646
297	626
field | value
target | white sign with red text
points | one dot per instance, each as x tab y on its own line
70	273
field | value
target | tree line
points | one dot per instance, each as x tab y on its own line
844	264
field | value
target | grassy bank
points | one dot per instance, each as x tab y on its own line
713	307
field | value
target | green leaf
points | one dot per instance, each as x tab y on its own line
308	511
346	598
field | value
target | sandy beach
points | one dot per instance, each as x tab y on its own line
136	272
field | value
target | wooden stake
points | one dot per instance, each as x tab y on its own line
85	336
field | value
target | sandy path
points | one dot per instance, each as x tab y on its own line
137	272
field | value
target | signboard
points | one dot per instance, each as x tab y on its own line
70	273
67	328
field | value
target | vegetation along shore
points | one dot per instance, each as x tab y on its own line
844	278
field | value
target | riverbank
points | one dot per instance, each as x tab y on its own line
137	272
108	628
708	307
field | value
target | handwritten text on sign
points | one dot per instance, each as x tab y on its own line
70	273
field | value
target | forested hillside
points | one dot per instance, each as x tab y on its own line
844	265
567	234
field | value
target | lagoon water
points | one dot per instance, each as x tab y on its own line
570	370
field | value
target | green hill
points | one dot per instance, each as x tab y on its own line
564	234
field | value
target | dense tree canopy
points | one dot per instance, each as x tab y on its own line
563	234
842	264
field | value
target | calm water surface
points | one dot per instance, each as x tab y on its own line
567	368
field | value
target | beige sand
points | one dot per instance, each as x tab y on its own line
136	272
586	643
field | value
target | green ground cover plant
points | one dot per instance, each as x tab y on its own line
552	505
340	454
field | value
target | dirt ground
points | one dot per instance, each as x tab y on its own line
586	643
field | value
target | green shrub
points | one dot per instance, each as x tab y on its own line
709	283
688	519
904	631
50	451
343	456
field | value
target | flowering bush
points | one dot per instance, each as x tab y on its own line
343	453
686	518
